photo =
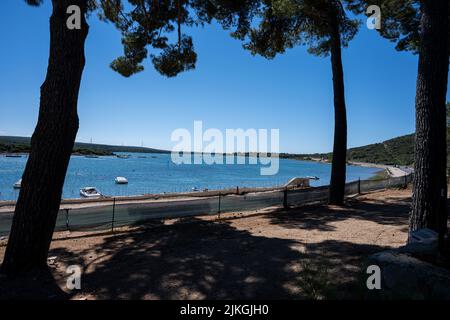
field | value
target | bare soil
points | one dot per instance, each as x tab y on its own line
309	252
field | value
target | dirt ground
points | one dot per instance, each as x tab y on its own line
310	252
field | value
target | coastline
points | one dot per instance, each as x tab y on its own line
391	171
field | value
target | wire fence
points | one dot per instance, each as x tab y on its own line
117	214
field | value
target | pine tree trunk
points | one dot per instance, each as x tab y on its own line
338	167
51	145
429	205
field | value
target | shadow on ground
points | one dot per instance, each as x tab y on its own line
320	217
39	285
199	259
211	260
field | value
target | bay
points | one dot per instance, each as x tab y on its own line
156	173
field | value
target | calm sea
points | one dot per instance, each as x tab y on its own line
156	173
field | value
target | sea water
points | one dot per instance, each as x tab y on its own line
156	173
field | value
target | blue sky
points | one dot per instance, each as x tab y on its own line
230	88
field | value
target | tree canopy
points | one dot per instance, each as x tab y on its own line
287	23
152	28
282	24
400	21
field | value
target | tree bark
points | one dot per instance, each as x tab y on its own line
429	204
338	167
51	145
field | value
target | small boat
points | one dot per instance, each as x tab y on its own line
121	180
90	192
18	184
313	177
123	156
194	189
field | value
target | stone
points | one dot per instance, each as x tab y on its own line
422	242
406	277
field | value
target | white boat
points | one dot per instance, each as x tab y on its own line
195	189
121	180
18	184
313	177
90	192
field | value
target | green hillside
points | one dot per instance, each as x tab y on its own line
397	151
22	145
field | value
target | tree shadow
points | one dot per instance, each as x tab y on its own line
38	285
198	259
321	216
194	258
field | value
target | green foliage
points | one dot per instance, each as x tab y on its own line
146	24
400	21
176	59
150	24
284	24
397	151
34	2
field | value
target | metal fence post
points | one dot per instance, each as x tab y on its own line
113	214
220	194
285	202
67	219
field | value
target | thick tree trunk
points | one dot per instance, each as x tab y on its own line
338	167
51	145
429	206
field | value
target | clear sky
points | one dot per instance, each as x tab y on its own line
230	88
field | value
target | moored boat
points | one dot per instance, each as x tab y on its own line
121	180
90	192
18	184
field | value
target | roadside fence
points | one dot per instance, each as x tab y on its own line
117	212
